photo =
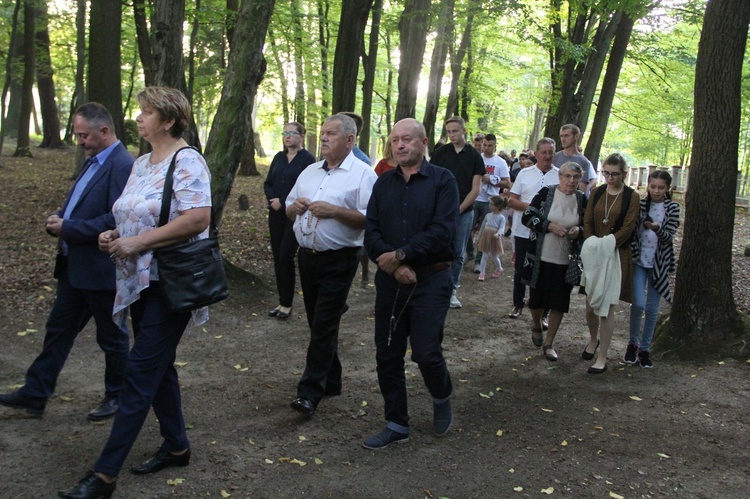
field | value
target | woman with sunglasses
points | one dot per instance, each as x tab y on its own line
613	209
285	168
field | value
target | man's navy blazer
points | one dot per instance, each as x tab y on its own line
89	268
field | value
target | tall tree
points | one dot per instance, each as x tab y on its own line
704	316
23	146
443	38
104	78
299	68
368	84
231	126
354	15
413	30
457	60
144	42
609	85
45	82
9	74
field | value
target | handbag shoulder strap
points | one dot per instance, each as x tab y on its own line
166	199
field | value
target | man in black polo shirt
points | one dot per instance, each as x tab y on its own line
411	221
465	163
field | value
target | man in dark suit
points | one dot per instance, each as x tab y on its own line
85	276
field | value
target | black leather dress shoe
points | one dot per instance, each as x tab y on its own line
18	401
107	408
303	405
282	316
90	487
162	459
273	312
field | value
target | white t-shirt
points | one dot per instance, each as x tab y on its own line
349	186
527	184
497	169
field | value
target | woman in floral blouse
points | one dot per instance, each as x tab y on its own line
151	378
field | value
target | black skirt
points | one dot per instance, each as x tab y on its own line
551	292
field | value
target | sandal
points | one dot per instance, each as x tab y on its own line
536	337
549	353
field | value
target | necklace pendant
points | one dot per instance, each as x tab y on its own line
605	221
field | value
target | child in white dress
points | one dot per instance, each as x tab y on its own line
490	237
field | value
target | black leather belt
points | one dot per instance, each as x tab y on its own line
433	267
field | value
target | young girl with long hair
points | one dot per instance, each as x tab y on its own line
490	237
653	261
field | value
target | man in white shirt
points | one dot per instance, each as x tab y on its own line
569	137
494	181
527	185
328	204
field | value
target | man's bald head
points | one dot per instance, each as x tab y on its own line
408	142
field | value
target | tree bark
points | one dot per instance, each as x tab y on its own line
412	27
23	145
704	318
144	42
231	20
354	15
443	40
369	66
104	80
609	85
283	81
45	82
231	126
299	67
457	60
9	73
324	40
196	25
15	78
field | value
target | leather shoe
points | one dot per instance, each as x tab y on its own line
107	408
588	356
90	487
303	405
282	316
273	312
18	401
596	370
549	353
162	459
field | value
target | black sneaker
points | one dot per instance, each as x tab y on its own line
644	359
630	354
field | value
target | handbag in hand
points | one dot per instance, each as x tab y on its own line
575	269
191	273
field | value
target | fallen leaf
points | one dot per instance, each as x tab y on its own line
466	380
175	481
225	494
318	461
237	366
364	403
518	489
595	409
634	397
483	395
285	459
598	427
244	369
66	398
302	438
548	490
465	360
297	461
499	433
218	336
268	461
564	443
250	441
615	496
511	470
180	364
546	410
661	454
721	363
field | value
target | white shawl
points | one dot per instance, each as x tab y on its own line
602	274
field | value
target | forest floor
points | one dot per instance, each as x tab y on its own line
524	427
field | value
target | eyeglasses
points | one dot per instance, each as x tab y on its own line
607	174
569	177
289	134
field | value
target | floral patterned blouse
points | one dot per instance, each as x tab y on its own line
137	212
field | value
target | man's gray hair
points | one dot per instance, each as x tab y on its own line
347	124
546	140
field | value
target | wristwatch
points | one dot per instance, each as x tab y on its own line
400	255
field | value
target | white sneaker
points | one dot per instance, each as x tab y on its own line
454	301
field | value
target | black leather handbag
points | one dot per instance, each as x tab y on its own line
191	273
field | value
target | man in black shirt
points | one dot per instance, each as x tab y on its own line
411	223
465	163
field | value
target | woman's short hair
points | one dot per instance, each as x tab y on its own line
299	126
615	159
570	165
170	103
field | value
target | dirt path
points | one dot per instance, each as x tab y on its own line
678	430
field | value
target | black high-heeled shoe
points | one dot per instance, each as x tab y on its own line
282	316
274	312
588	356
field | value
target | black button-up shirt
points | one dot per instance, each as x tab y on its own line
419	216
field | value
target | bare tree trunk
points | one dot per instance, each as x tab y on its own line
191	59
45	82
283	81
299	68
9	73
104	81
464	82
144	42
324	39
607	93
443	40
231	126
413	27
23	145
457	60
231	19
704	318
368	85
354	15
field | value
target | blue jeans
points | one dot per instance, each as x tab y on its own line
644	296
463	232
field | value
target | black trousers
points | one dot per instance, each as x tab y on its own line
519	288
419	320
283	247
326	277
